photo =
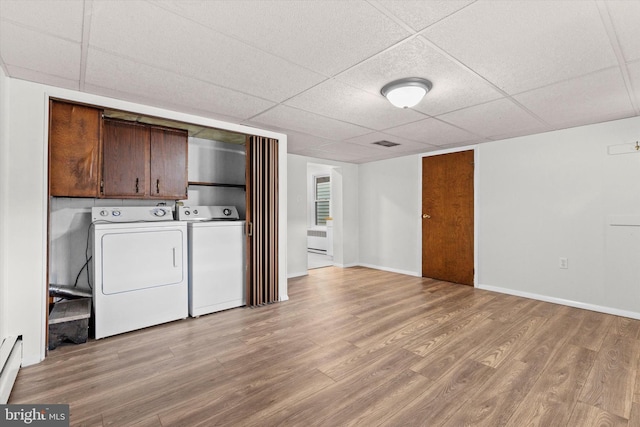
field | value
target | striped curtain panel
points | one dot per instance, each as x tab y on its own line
262	221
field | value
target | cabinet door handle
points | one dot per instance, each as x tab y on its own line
137	188
157	186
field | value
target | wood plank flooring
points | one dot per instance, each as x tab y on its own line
356	347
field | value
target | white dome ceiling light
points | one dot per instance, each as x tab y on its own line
407	92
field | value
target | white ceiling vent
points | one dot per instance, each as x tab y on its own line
386	143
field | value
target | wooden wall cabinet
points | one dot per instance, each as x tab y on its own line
125	160
74	150
141	161
168	150
107	158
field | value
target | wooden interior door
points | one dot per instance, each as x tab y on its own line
447	217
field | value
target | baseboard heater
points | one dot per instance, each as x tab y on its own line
10	361
317	241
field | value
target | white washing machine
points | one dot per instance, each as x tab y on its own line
217	267
140	270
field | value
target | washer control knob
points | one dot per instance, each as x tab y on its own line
115	213
159	212
226	211
104	213
187	212
195	211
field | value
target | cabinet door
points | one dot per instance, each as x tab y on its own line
125	160
168	163
74	149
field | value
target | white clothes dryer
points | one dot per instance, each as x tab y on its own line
217	266
139	268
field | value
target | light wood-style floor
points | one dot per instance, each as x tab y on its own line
357	347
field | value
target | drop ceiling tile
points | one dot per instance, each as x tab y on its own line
354	149
459	144
283	117
324	36
625	15
28	49
419	14
494	118
344	102
153	102
432	132
427	149
597	97
47	79
60	18
336	156
453	86
509	133
420	150
522	45
112	72
299	141
634	75
153	36
406	145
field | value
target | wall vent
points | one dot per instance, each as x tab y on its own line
386	143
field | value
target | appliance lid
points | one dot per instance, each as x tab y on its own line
207	213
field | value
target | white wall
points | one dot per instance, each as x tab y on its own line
26	217
551	195
25	201
390	208
344	210
297	213
539	198
346	214
222	163
4	166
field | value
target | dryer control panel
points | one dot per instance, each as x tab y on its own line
132	213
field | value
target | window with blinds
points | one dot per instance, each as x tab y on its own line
322	199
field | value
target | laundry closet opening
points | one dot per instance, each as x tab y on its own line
193	166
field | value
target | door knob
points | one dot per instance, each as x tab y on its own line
425	216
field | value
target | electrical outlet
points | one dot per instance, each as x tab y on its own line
564	263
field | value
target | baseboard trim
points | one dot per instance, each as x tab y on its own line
346	265
391	270
355	264
561	301
299	274
10	359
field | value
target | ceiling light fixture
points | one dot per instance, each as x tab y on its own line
407	92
